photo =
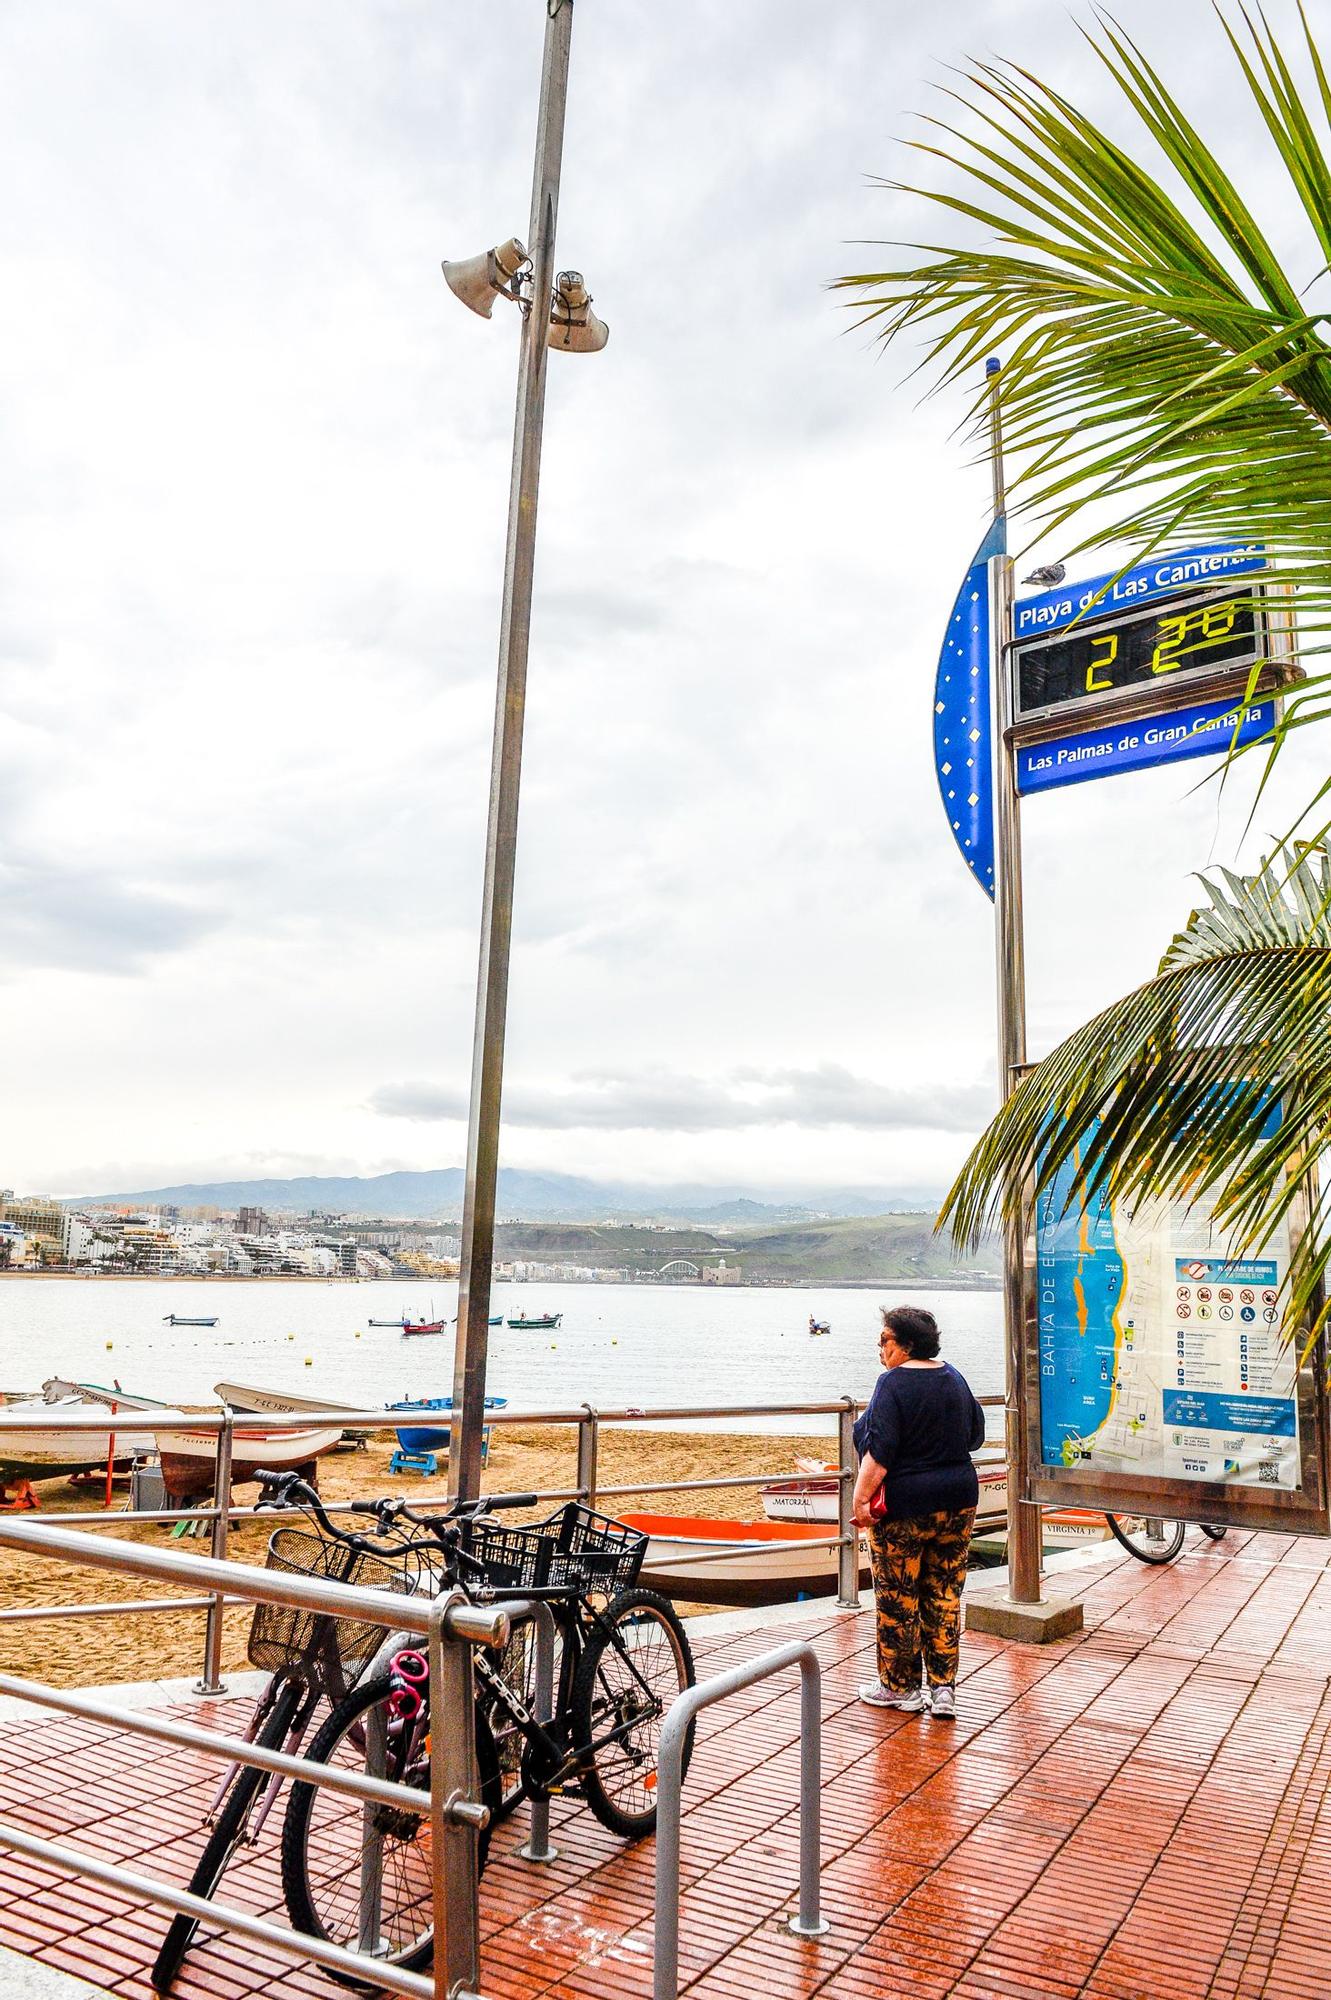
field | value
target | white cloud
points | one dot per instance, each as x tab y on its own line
253	493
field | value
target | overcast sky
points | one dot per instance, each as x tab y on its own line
253	477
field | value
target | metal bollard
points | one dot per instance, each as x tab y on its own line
212	1682
670	1780
538	1846
848	1555
589	1439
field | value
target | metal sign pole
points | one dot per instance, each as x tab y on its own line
1023	1538
478	1211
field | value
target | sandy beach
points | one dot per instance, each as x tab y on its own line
92	1651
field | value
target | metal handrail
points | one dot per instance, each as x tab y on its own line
670	1784
447	1623
230	1427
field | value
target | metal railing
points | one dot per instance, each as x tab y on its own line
449	1624
228	1426
808	1922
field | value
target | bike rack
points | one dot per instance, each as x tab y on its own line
670	1783
449	1626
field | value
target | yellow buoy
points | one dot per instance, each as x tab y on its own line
309	1361
109	1346
358	1333
553	1345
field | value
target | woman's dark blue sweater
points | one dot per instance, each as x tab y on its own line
923	1424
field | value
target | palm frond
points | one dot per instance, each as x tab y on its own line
1169	1092
1162	368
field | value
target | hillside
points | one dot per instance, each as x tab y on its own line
850	1250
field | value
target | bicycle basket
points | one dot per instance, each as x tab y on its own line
575	1550
282	1636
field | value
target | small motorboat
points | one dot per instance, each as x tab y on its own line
544	1323
179	1319
818	1326
432	1437
810	1497
705	1561
388	1322
425	1326
189	1457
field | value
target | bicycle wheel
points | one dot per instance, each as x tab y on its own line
1212	1533
626	1680
360	1876
228	1830
1151	1541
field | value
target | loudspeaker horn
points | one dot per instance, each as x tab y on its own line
573	325
479	281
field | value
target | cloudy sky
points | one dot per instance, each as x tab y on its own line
253	478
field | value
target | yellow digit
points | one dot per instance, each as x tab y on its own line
1173	631
1218	620
1109	639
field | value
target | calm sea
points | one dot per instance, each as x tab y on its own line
619	1345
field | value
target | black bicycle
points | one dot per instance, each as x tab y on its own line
360	1876
312	1659
1152	1540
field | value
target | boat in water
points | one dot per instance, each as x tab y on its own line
179	1319
543	1323
705	1561
425	1326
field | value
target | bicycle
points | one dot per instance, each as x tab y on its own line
360	1877
311	1657
1152	1540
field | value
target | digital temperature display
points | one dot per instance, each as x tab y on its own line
1157	649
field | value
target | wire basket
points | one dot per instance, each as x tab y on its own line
575	1550
282	1636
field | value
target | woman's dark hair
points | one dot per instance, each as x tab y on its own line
914	1329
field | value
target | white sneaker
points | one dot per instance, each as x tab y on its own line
945	1703
877	1696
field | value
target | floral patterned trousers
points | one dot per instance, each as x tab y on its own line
919	1567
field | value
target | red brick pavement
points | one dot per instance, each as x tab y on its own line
1140	1813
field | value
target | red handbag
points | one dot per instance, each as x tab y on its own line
878	1505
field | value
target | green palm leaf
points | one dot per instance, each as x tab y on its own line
1162	1093
1161	366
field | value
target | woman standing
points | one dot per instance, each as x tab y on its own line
915	1441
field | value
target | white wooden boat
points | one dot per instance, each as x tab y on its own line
275	1402
812	1496
32	1449
706	1561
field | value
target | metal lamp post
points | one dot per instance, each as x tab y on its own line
556	312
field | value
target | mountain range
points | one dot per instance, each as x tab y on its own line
525	1196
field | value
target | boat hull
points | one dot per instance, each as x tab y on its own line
703	1561
545	1325
814	1499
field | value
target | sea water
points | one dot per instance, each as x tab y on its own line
619	1346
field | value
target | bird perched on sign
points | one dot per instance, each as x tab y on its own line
1047	575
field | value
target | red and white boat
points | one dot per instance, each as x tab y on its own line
705	1561
812	1497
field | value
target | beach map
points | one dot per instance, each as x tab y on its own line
1160	1352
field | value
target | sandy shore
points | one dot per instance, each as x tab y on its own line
89	1651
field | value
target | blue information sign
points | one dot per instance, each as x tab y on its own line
1205	729
1163	576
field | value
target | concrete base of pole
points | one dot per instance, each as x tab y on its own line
1031	1624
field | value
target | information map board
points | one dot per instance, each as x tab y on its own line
1165	1380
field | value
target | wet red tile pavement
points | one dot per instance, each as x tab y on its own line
1139	1813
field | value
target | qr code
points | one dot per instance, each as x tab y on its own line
1268	1475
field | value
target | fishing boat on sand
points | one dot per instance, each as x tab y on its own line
707	1561
812	1496
543	1323
36	1449
431	1437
